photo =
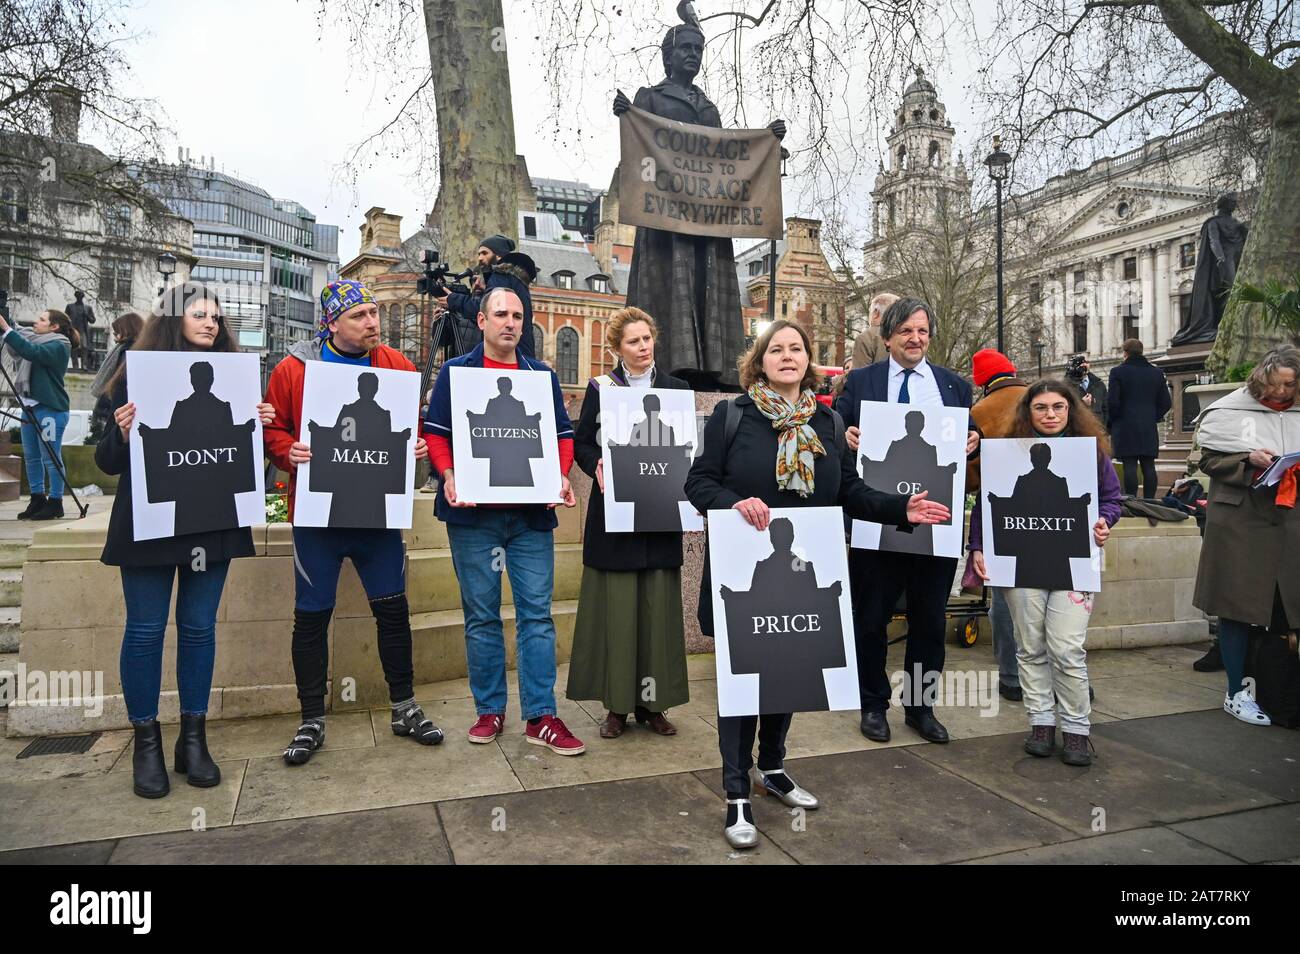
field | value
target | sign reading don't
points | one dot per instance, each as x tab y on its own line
699	180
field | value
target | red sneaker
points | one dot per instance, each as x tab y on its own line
555	735
486	729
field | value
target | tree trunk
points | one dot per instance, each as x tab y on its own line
477	188
1272	251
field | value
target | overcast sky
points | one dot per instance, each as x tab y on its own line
256	84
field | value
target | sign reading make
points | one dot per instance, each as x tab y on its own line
361	425
782	616
503	441
648	441
1039	502
196	446
699	180
907	449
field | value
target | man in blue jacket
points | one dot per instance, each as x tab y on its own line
879	578
500	267
481	536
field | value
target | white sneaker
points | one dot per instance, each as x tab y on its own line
1243	707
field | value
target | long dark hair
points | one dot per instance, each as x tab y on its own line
1080	423
164	331
126	327
63	326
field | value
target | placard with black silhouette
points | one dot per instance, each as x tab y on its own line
907	449
782	613
361	425
1039	502
196	447
648	440
503	442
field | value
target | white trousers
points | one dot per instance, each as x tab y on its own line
1050	627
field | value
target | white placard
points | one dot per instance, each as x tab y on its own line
1041	519
929	448
510	454
194	409
361	424
798	632
625	422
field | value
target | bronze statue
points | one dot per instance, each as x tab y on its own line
688	283
1222	239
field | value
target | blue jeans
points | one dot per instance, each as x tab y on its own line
477	552
36	458
148	593
1004	637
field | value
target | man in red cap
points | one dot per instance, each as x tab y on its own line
995	415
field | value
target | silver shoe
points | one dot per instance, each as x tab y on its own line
795	798
742	834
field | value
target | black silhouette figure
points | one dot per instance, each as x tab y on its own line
911	465
650	471
785	628
1041	525
201	459
508	436
360	460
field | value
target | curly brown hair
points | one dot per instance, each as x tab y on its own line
1081	422
620	320
750	364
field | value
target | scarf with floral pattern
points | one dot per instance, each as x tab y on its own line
798	443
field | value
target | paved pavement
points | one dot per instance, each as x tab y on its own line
1175	781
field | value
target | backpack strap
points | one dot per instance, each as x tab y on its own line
733	425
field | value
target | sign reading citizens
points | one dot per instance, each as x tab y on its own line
783	623
360	423
699	180
196	444
503	441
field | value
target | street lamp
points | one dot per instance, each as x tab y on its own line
771	278
999	163
1038	354
166	268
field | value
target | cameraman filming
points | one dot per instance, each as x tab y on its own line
499	267
1090	387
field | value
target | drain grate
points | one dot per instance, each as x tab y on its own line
60	745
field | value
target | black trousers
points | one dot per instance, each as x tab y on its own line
1148	465
736	742
311	652
877	580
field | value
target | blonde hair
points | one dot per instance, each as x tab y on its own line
880	304
620	320
750	364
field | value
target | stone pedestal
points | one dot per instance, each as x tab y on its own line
1184	366
11	470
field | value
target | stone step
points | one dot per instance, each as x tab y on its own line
13	553
431	583
8	670
10	626
11	587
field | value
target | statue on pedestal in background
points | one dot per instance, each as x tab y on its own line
1218	255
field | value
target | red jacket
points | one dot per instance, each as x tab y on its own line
284	393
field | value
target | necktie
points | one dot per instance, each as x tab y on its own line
903	396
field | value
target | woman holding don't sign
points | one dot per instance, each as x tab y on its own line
629	650
786	449
187	319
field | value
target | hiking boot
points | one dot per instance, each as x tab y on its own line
1075	749
1041	740
33	506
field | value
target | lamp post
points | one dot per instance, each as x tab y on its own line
166	268
771	278
999	163
1038	354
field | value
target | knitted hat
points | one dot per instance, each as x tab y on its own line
501	244
987	364
338	297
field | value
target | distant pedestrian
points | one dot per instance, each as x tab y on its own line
1092	392
869	347
1138	400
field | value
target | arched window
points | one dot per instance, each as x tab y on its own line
539	341
566	355
410	334
902	157
934	155
13	204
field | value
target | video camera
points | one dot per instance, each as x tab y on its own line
436	273
1075	368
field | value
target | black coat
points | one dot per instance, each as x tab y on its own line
618	551
1138	399
1097	388
722	477
467	306
113	457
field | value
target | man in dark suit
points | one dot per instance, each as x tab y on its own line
878	579
1138	400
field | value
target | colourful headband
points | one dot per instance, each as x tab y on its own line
338	297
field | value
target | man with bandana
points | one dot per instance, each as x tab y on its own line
349	334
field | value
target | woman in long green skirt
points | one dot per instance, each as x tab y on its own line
629	650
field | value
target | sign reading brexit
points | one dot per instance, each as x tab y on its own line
699	180
503	441
196	448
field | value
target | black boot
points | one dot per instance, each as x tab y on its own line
33	505
51	510
1212	661
192	758
148	766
